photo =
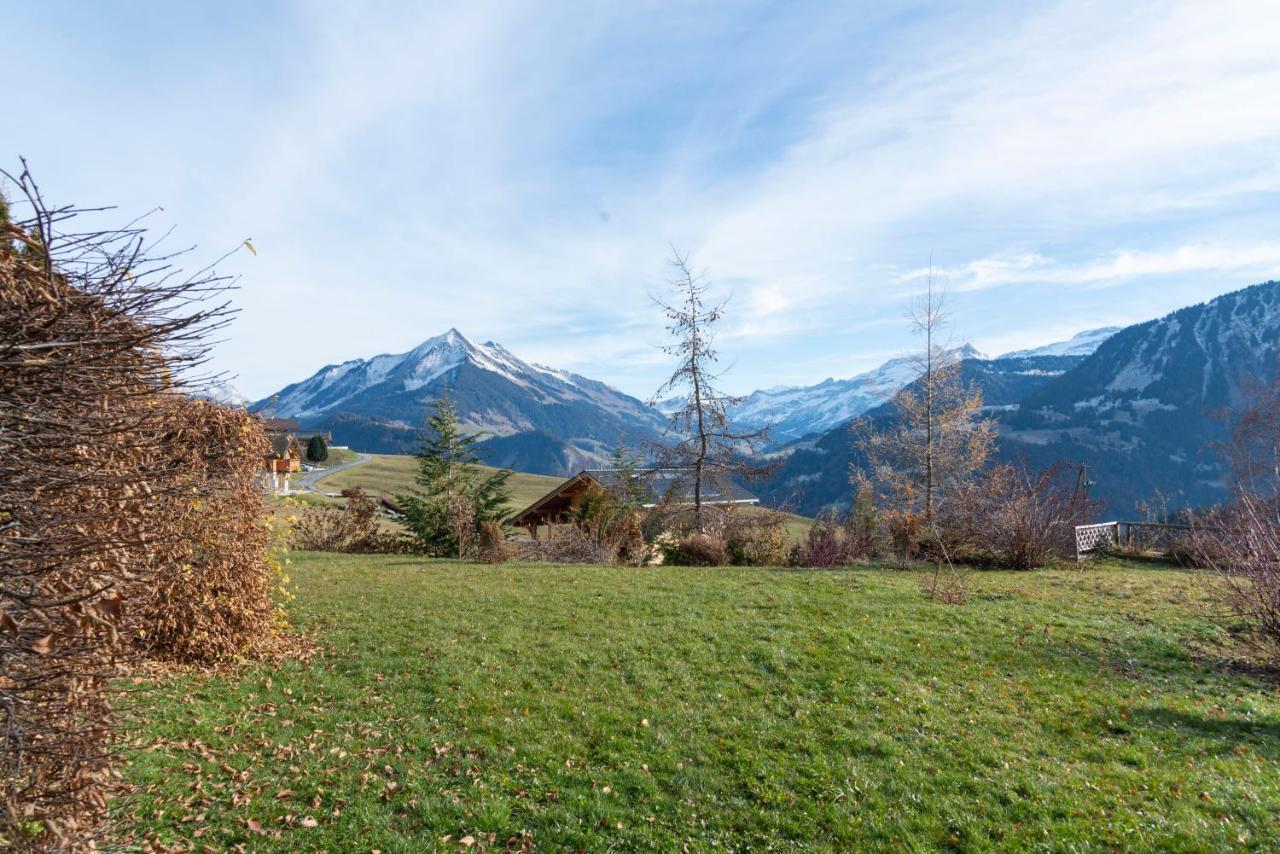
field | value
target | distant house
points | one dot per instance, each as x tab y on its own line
294	429
656	485
283	457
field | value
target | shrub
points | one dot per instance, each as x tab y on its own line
352	530
97	473
603	528
492	545
211	599
833	541
569	544
756	540
1025	520
1240	546
696	550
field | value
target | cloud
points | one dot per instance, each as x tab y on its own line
1256	260
436	166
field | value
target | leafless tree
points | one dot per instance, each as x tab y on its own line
937	439
706	445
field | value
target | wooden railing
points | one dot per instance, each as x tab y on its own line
1140	536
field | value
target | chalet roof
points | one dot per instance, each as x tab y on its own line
675	485
280	425
280	443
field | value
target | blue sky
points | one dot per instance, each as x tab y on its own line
517	170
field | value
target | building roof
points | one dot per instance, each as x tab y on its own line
282	425
675	485
280	443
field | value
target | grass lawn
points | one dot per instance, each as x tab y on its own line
608	708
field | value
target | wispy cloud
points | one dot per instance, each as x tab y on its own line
517	169
1256	260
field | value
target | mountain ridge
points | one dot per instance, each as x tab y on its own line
381	402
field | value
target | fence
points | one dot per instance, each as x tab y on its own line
1139	537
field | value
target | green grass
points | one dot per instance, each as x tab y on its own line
1057	710
337	456
393	474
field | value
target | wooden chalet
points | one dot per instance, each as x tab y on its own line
283	457
656	485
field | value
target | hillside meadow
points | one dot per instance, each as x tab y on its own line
594	708
393	474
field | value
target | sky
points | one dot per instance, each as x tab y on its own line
521	170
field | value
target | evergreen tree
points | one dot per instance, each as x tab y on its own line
317	450
454	498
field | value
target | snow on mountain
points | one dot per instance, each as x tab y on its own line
1080	344
794	411
380	403
221	391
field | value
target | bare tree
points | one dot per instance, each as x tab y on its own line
707	447
936	439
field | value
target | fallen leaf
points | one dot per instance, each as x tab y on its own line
467	840
43	646
308	821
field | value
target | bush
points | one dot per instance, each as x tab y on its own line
696	550
492	545
835	542
756	540
352	530
121	503
1026	520
1240	546
211	599
603	528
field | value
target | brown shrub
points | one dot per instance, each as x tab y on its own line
834	542
211	597
352	530
697	550
492	545
1240	546
1023	520
93	337
129	516
758	539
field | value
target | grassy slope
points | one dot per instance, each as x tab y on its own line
1057	710
393	474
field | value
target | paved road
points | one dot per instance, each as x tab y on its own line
307	483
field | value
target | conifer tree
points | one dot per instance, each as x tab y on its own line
454	498
317	450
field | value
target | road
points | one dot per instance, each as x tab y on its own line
307	483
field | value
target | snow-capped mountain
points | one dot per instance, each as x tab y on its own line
791	412
1080	344
222	391
1141	412
379	404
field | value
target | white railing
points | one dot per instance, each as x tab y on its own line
1139	537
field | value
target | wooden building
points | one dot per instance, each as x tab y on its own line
673	486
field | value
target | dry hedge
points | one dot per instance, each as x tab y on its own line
101	466
211	599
